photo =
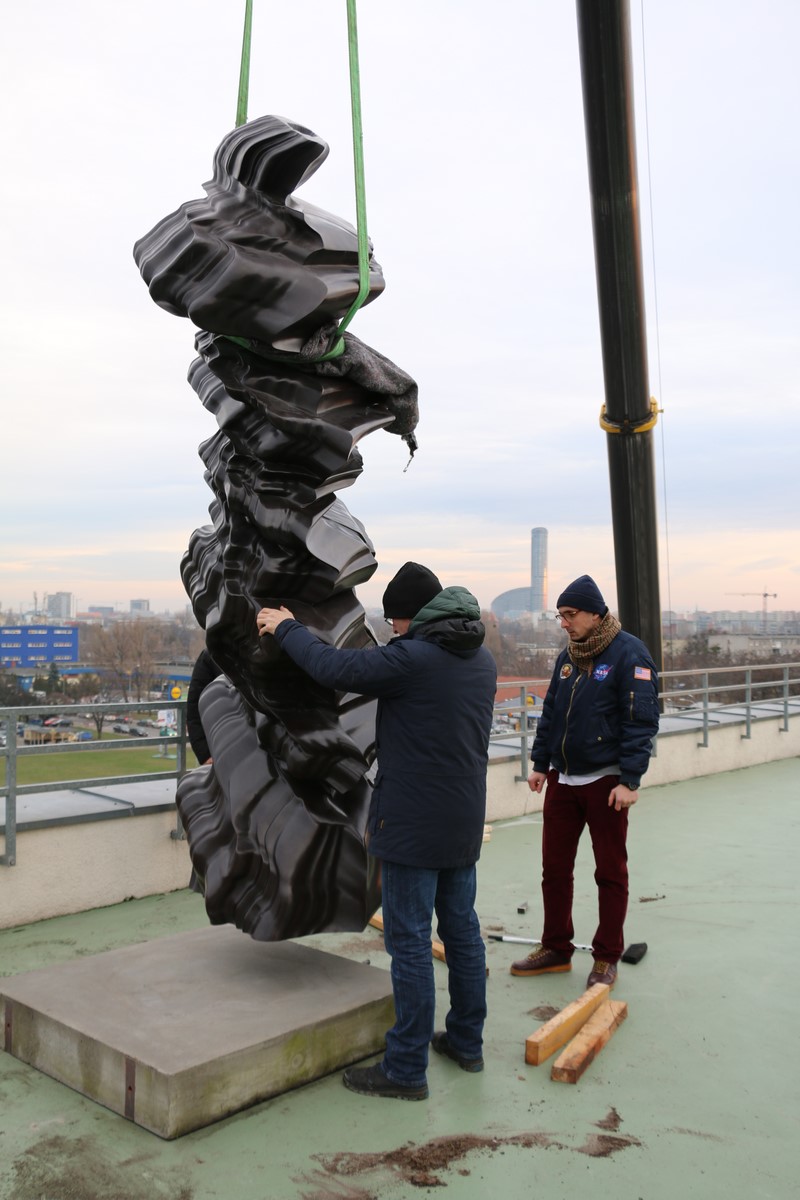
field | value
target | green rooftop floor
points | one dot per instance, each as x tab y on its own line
696	1096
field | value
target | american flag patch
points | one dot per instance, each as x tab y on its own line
641	673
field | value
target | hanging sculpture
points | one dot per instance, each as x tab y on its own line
275	824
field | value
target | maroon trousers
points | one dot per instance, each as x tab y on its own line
566	811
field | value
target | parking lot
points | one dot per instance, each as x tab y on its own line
38	731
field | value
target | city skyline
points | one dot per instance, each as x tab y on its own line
142	608
478	208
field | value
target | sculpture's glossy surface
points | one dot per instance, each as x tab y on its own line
275	826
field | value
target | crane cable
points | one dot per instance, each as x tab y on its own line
657	328
337	349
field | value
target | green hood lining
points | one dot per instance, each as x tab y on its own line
450	602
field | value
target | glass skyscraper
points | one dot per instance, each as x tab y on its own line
538	570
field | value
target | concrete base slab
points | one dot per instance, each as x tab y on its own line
179	1032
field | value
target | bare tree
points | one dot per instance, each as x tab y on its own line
125	654
96	689
182	638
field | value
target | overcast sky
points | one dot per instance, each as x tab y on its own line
478	208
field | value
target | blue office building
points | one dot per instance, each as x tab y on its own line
38	646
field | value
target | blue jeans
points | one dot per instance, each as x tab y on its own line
411	895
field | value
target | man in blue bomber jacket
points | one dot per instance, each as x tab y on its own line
435	684
592	746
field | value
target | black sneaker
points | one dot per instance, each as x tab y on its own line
442	1046
371	1081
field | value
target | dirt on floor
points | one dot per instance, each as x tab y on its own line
422	1166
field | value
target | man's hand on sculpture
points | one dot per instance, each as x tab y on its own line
268	619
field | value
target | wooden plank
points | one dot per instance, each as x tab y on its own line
589	1041
437	949
559	1029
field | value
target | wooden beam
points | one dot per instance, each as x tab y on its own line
559	1029
587	1044
437	949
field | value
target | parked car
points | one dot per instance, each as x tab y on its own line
59	722
119	728
83	735
135	731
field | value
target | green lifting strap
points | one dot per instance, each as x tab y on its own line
358	168
244	70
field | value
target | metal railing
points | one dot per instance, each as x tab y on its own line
522	719
10	752
725	695
702	699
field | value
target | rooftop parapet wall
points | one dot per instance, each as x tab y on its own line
91	863
77	853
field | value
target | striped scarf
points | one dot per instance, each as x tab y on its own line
584	653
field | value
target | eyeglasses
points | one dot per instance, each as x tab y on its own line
389	620
566	616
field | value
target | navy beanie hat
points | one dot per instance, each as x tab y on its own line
412	588
583	594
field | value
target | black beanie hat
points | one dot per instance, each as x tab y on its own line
583	594
411	589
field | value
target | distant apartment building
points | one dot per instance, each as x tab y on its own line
747	624
38	646
59	605
140	607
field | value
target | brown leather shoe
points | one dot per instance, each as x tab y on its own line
541	962
602	972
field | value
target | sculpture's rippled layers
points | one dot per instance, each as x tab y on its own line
276	826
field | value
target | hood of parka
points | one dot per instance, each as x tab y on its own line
451	620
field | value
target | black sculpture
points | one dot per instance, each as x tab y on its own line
275	825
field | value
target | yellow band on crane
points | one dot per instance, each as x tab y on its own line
626	426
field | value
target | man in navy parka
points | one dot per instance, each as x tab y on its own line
435	684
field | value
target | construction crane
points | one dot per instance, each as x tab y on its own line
764	596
